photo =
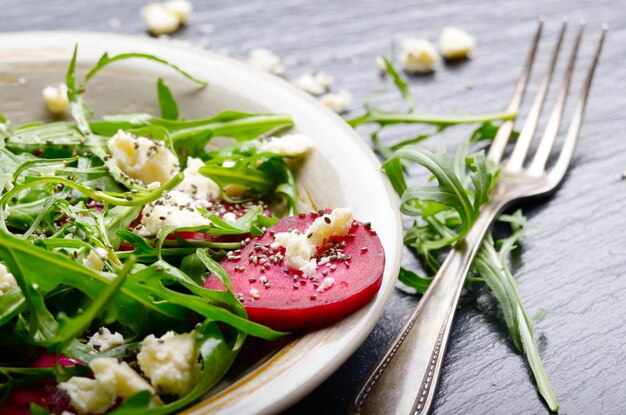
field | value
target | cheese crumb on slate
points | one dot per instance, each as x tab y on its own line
316	84
338	102
181	8
267	61
455	43
418	56
159	20
56	99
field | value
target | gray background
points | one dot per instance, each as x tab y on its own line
573	260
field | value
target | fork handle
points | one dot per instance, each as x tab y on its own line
405	379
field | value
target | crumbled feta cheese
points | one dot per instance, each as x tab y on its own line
94	261
3	128
229	217
170	362
56	99
143	159
228	163
455	43
317	84
287	145
181	8
338	102
105	340
326	284
7	280
87	396
119	379
418	56
380	62
266	60
176	209
159	19
300	247
323	79
254	293
337	223
195	184
298	250
67	413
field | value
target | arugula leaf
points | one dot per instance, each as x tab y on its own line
106	60
492	265
167	103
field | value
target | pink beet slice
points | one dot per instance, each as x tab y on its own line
43	393
287	300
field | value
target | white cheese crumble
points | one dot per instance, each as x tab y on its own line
105	340
455	43
229	217
254	293
170	362
338	102
380	62
181	8
326	284
143	159
418	56
7	280
95	259
287	145
266	60
56	99
176	209
196	185
3	128
337	223
113	380
316	84
159	19
301	247
119	379
87	396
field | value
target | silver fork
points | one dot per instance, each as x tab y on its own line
405	379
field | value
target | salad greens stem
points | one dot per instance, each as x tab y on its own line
388	118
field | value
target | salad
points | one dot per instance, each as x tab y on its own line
135	258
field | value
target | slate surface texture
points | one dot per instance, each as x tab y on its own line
573	262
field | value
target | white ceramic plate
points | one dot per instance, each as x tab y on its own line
342	171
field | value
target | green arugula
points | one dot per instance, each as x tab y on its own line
445	212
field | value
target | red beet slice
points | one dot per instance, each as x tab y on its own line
290	301
43	393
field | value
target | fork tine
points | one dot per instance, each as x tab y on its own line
504	132
538	164
569	145
516	161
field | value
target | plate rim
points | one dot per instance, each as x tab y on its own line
393	258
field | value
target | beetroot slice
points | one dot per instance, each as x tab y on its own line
292	302
43	393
